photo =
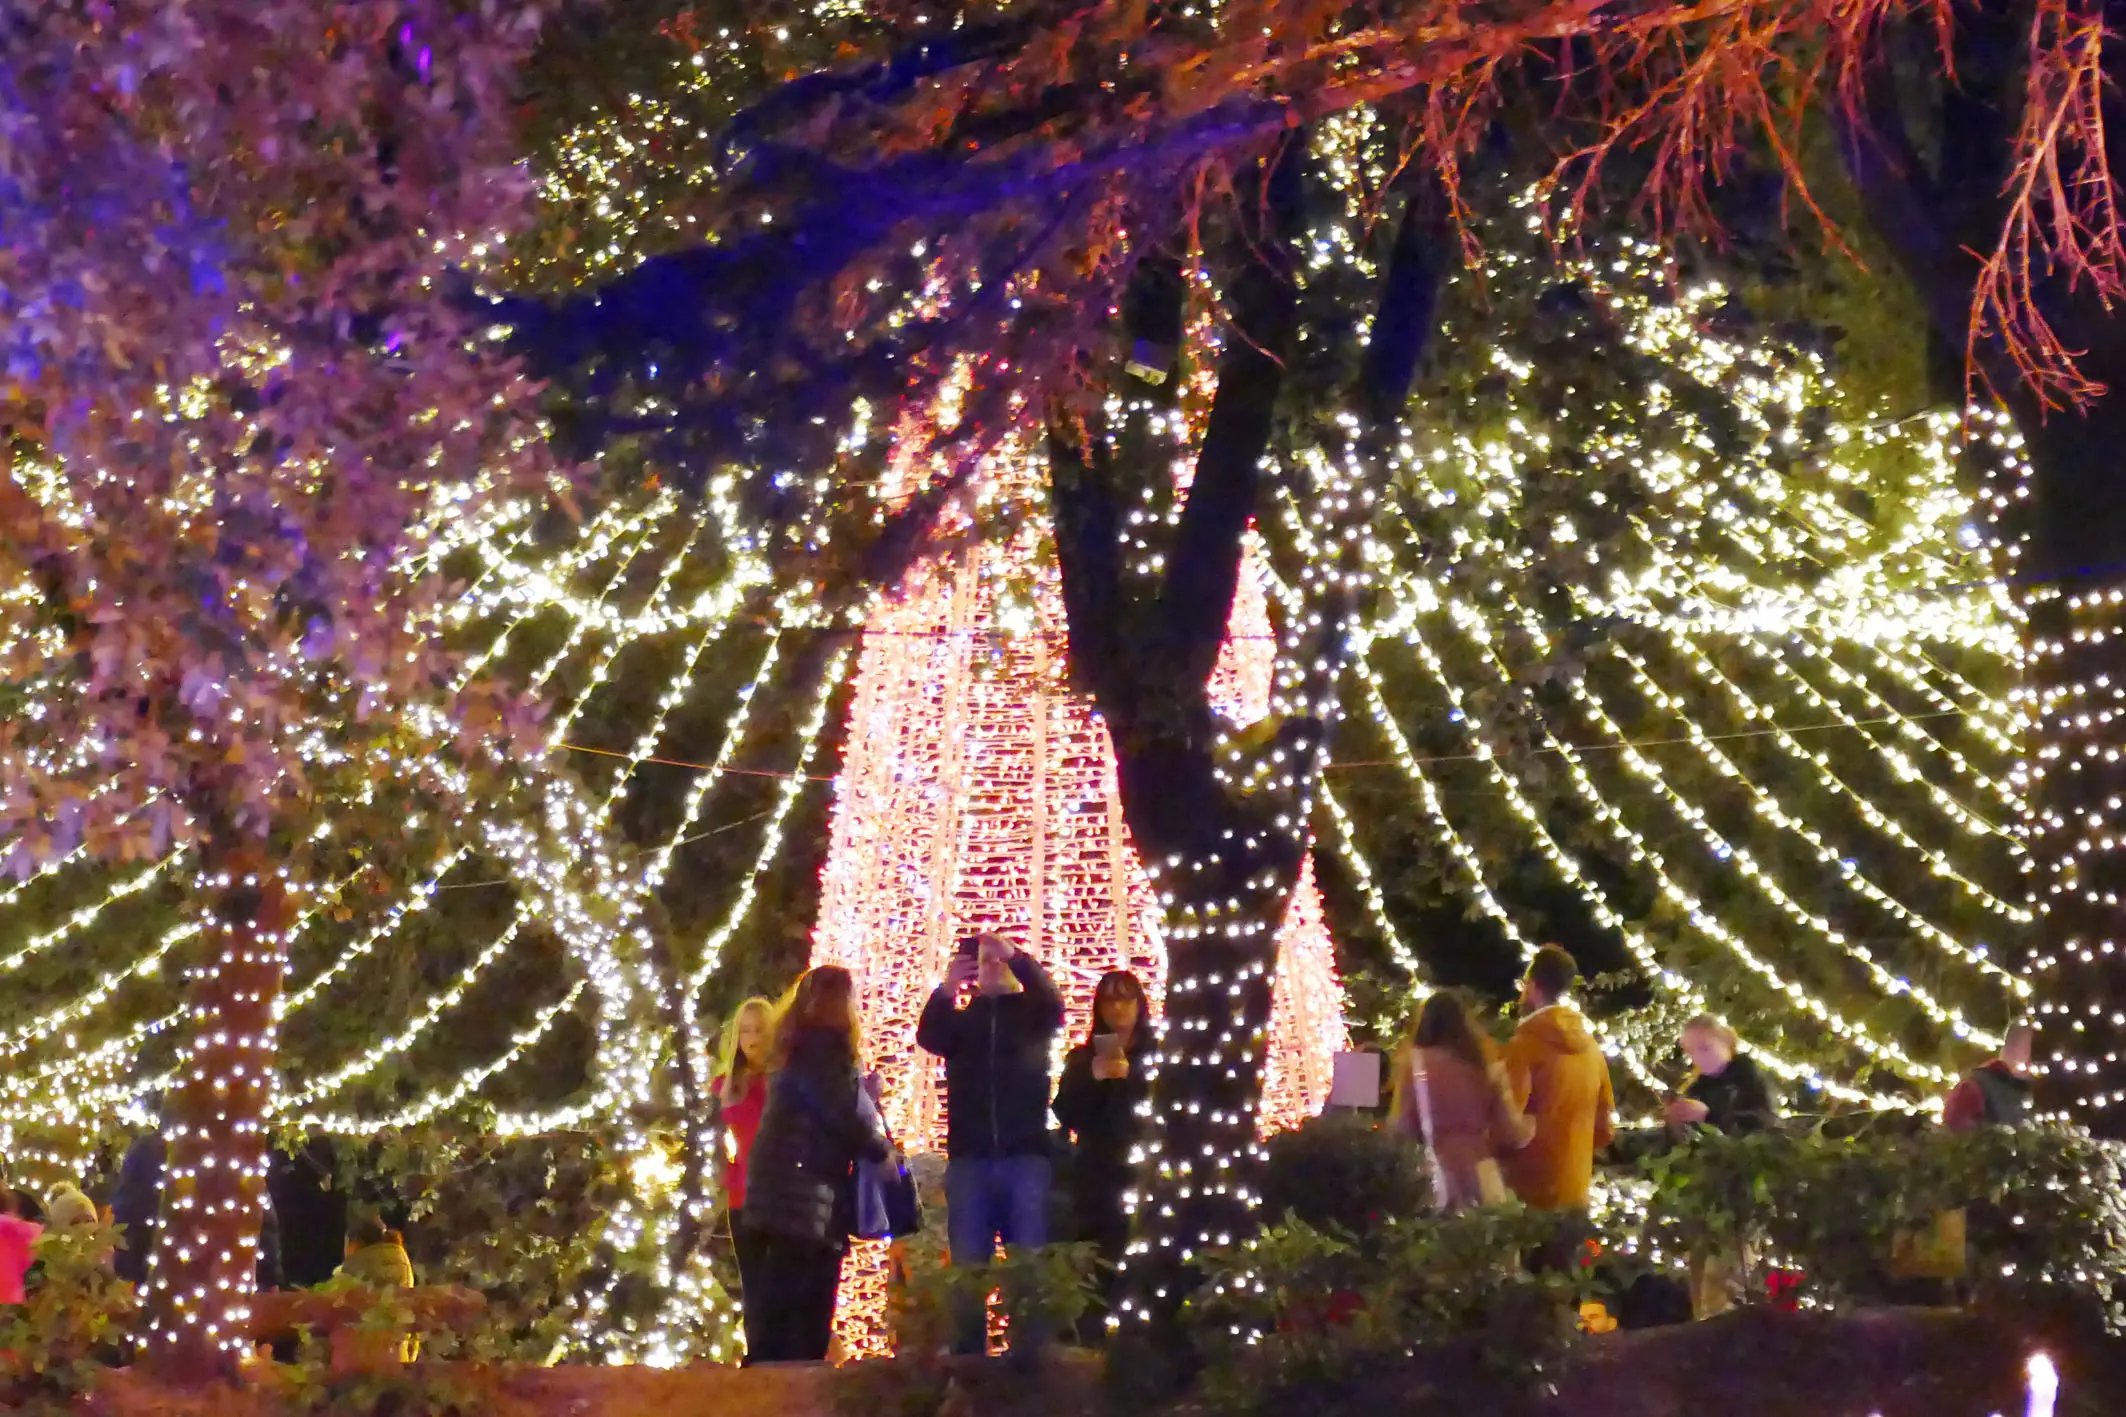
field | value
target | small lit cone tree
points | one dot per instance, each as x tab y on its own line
235	392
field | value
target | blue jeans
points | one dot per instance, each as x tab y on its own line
987	1199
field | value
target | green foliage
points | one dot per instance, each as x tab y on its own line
1340	1172
1298	1311
75	1308
1045	1291
1303	1313
2045	1206
521	1221
414	1390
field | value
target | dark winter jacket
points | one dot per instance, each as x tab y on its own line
1737	1099
812	1133
996	1052
136	1204
1990	1095
1101	1116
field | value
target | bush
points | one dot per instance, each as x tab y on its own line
1297	1314
1048	1289
2044	1205
53	1344
1344	1174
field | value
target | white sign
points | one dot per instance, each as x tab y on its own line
1356	1081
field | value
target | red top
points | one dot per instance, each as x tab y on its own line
742	1119
1966	1107
18	1238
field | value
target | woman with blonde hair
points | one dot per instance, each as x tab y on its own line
800	1186
1726	1091
1451	1090
739	1094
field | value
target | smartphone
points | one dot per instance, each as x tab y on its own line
1107	1046
969	946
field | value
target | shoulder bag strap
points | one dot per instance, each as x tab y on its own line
1422	1082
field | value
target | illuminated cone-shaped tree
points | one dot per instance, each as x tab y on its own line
235	397
978	793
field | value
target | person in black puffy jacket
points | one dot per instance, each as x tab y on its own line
1106	1080
799	1177
996	1048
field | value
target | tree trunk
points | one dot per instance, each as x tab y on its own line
2072	574
2075	753
215	1122
1222	826
1223	891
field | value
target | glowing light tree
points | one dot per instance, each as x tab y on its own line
2077	776
229	429
979	793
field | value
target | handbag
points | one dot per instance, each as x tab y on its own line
887	1206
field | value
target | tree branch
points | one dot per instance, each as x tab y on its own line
1904	207
1088	532
1196	597
1407	314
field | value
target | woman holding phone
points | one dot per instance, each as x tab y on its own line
1106	1079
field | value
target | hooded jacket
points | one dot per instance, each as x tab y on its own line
1559	1078
996	1053
383	1265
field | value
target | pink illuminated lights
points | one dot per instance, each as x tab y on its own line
978	793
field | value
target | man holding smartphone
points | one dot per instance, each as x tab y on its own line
993	1020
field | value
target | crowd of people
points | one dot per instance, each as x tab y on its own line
1524	1121
802	1120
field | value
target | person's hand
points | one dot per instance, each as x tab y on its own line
875	1084
997	950
1108	1069
1685	1111
961	972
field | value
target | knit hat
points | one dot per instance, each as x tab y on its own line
68	1209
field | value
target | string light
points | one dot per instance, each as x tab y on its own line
978	793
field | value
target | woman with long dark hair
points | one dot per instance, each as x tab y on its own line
799	1177
1451	1090
1106	1080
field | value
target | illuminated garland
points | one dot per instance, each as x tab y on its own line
1883	607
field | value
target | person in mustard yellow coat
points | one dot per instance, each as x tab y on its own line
376	1258
1558	1077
